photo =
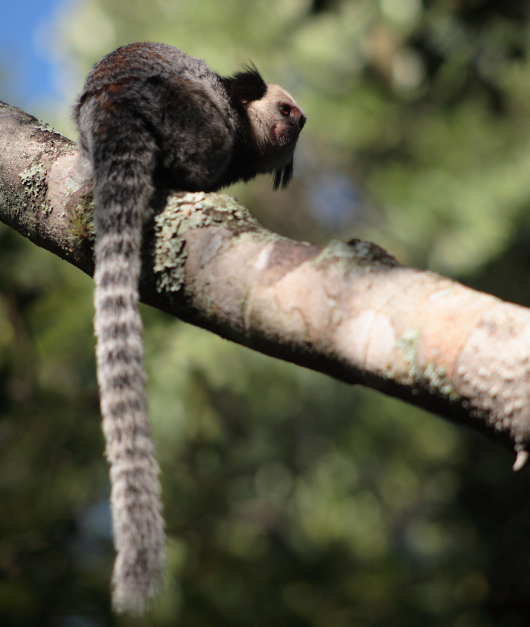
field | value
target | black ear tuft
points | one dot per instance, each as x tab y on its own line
246	85
283	176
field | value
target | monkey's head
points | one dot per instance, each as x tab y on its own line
274	123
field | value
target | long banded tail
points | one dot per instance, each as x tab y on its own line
122	205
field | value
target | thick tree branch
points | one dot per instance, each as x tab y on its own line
349	310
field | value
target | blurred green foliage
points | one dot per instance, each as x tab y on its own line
291	499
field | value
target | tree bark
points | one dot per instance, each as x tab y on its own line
349	310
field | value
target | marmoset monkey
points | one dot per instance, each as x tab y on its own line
148	116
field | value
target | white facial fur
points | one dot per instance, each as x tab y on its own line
276	121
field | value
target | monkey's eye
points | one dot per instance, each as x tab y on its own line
285	110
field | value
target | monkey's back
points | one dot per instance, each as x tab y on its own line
177	97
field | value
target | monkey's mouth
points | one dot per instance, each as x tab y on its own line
285	135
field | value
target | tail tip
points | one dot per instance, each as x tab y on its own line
137	583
